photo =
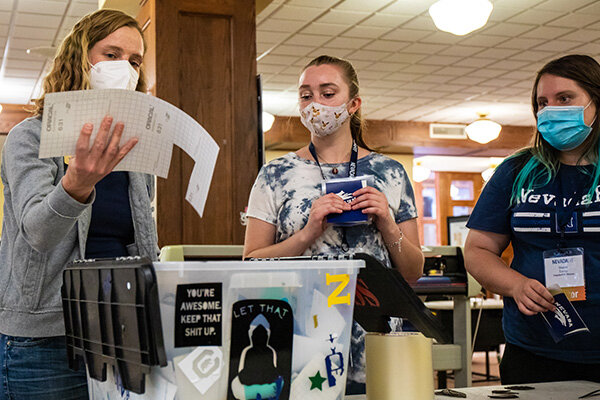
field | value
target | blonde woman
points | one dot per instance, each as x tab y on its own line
55	213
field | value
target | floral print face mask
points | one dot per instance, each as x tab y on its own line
323	120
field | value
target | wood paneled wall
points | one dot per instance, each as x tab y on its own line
11	115
403	137
203	54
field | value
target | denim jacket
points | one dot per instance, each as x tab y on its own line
44	228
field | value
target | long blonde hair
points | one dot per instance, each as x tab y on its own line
70	68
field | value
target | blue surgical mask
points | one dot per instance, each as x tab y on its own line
563	126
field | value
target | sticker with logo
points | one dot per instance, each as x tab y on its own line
260	361
203	367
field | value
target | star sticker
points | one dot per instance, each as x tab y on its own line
316	382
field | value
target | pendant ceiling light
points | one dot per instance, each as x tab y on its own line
267	121
460	17
483	130
419	172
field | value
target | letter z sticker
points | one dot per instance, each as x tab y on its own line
334	297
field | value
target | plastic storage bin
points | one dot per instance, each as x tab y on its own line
250	330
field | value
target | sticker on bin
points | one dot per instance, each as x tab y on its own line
203	367
260	362
198	315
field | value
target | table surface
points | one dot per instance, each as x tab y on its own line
543	391
476	303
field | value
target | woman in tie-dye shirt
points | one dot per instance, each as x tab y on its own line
287	211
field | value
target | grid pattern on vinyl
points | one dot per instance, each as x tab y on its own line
141	114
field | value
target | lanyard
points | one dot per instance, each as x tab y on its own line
351	164
351	174
564	213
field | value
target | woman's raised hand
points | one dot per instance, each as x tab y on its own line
374	203
91	164
321	207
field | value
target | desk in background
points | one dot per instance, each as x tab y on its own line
543	391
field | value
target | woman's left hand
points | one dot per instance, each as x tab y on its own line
374	203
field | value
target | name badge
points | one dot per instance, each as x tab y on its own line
564	267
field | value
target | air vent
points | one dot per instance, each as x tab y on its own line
447	131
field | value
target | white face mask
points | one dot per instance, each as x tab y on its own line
113	75
323	120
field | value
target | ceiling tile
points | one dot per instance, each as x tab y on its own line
425	48
434	78
592	9
556	45
81	9
370	74
324	4
402	76
296	13
467	80
361	31
421	69
386	20
304	39
500	82
405	34
588	48
483	40
264	68
547	32
21	32
342	17
276	86
503	13
16	43
42	7
21	73
508	29
487	72
281	60
463	51
282	25
5	17
270	37
582	35
363	6
441	38
31	64
533	55
292	50
386	45
440	60
287	79
409	7
348	43
390	67
575	20
525	84
535	17
509	65
517	3
475	62
369	55
521	43
324	29
562	5
454	71
422	23
330	51
403	57
519	75
497	53
450	88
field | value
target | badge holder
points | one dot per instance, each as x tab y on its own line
112	317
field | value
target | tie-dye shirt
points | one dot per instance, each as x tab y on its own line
283	193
